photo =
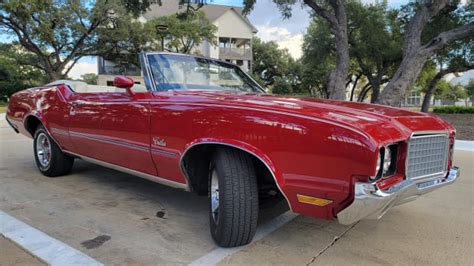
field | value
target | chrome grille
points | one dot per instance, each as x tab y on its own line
427	155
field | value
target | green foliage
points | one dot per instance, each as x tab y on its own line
454	110
17	71
125	38
281	86
89	78
318	55
185	32
270	61
445	91
470	89
58	32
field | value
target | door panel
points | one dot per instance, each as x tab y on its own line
113	127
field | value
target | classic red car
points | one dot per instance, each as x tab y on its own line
205	126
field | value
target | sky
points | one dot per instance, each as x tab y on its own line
266	17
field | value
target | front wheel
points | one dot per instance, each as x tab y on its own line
51	161
233	198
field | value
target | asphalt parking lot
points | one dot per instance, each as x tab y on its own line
116	218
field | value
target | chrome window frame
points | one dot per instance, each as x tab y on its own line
150	83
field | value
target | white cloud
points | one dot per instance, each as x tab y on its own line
81	68
283	37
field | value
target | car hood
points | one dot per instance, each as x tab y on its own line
397	122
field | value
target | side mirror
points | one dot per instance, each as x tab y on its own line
124	83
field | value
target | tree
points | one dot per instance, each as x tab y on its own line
136	7
185	30
269	61
123	39
281	86
89	78
470	90
58	32
447	92
318	56
375	38
417	51
453	66
334	13
17	71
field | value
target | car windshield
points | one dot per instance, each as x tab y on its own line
174	72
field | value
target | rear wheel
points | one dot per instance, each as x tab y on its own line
51	161
233	198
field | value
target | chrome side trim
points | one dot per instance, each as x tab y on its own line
372	203
118	142
153	178
237	147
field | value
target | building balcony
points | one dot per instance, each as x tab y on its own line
235	53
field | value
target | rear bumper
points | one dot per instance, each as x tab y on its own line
11	124
372	203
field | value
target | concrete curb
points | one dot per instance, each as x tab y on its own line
218	254
464	145
39	244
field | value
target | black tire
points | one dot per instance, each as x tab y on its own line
58	163
235	222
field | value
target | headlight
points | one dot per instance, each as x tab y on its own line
386	162
378	173
390	160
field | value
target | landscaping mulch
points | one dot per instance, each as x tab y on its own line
464	124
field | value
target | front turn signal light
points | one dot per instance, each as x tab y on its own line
313	200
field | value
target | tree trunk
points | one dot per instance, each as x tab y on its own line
336	82
354	86
338	21
405	76
375	84
415	53
432	85
425	106
54	75
363	93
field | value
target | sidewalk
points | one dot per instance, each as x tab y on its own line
12	254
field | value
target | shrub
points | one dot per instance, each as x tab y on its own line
454	110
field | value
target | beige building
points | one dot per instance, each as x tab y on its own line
234	33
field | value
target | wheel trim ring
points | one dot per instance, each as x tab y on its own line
214	196
43	149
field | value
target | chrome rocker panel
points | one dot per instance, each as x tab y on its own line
372	203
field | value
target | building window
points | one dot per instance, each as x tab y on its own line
110	83
224	42
240	62
138	82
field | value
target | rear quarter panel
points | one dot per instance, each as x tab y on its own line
48	104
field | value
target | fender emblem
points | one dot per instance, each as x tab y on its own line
159	141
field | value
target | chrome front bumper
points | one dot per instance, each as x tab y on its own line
372	203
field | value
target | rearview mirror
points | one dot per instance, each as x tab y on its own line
124	83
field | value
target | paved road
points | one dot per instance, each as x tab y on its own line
120	219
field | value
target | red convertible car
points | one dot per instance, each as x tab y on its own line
203	125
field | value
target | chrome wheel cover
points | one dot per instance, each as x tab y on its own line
214	195
43	149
